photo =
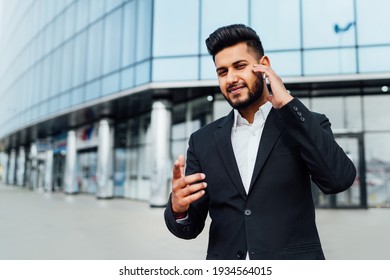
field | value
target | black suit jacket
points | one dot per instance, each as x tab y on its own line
276	219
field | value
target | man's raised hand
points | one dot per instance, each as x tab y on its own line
185	189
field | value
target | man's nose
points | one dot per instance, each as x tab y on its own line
232	77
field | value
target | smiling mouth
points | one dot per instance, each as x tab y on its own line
235	89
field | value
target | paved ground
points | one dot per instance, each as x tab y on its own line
43	226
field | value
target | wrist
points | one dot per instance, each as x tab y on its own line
179	215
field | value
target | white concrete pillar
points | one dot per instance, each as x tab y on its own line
161	163
11	169
70	184
20	166
33	178
104	173
3	166
48	179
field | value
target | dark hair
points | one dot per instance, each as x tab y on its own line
231	35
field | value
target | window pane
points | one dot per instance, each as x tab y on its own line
144	29
376	112
77	96
286	63
64	101
319	20
129	31
340	61
232	13
166	28
373	21
112	42
94	56
375	59
332	107
79	59
92	90
82	14
274	35
207	68
142	73
96	9
112	4
127	78
175	69
67	70
110	84
69	22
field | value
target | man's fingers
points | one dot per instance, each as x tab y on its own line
178	168
193	197
181	183
189	190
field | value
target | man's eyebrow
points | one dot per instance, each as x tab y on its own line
234	63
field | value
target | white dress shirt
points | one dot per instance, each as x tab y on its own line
245	140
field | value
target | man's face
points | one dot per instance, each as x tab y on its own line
240	86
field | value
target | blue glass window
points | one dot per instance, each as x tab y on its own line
67	70
320	20
230	12
96	9
110	84
178	34
77	96
207	68
334	61
286	63
127	78
94	55
373	21
128	36
374	59
92	90
175	69
64	101
82	14
69	21
112	41
144	29
142	73
277	23
79	59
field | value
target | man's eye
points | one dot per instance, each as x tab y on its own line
222	73
240	66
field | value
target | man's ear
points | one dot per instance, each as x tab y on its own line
264	60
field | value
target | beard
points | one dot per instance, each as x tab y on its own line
253	95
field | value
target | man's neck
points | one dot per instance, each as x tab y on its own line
249	112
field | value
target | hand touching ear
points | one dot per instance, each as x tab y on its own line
280	96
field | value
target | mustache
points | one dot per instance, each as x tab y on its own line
232	86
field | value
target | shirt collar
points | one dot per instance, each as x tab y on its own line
262	113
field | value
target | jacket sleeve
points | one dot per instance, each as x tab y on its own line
330	168
197	213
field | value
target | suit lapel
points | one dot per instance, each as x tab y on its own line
224	143
272	129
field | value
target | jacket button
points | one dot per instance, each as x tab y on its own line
248	212
302	119
299	114
295	108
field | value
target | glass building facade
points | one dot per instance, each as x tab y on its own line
99	96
